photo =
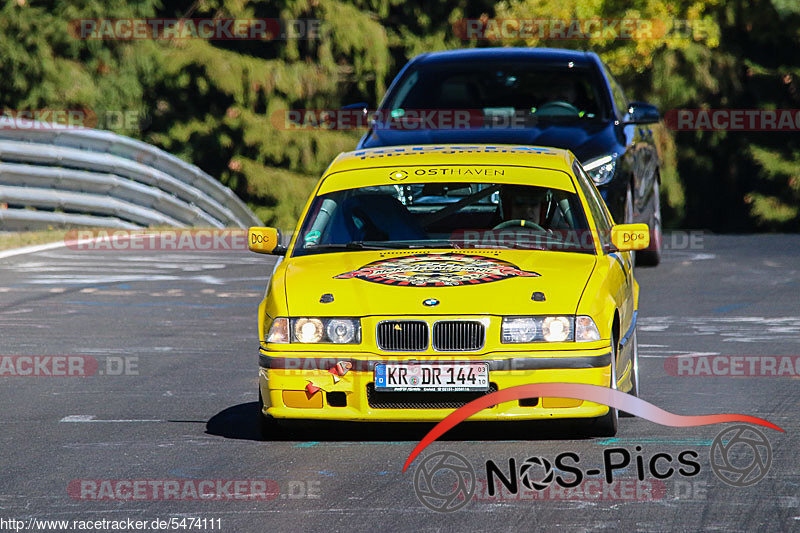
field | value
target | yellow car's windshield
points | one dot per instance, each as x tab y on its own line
445	215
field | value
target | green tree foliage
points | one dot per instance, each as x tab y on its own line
215	102
736	54
43	66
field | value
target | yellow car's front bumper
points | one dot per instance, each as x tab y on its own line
283	378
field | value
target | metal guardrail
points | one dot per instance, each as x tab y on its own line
85	203
98	176
64	179
24	219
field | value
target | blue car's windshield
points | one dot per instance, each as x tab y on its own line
520	89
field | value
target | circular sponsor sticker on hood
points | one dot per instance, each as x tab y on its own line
437	270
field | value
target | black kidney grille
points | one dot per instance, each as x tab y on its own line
458	336
403	336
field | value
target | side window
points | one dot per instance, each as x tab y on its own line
595	205
617	94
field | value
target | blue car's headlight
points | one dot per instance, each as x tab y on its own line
601	170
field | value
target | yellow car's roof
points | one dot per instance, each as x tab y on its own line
458	162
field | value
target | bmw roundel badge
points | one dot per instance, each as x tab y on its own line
430	302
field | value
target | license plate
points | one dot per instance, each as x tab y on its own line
439	377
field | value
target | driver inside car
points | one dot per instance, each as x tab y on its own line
534	208
524	206
564	91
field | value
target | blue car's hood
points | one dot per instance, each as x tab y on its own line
586	141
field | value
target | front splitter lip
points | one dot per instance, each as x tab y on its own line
586	411
498	361
359	408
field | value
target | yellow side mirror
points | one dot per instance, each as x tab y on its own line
265	241
627	237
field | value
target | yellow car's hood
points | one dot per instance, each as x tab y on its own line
425	282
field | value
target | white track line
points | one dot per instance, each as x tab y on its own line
92	418
32	249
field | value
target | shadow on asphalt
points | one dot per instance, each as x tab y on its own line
242	422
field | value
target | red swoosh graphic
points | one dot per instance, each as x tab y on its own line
579	391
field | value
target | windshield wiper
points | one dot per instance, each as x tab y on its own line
381	245
352	245
367	245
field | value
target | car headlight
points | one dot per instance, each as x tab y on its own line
307	330
341	330
311	330
586	330
557	329
601	170
522	329
279	331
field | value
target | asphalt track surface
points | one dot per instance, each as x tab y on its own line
186	324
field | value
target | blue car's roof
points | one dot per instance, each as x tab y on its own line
498	54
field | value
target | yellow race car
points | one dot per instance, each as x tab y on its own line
422	277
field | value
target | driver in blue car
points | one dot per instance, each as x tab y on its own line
564	91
